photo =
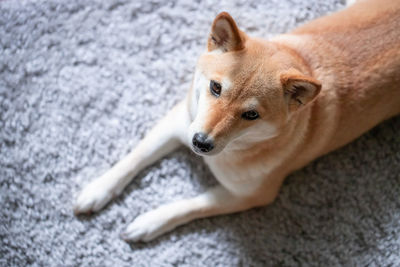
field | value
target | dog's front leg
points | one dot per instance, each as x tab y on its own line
162	139
215	201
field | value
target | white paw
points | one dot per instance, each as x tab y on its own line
93	197
150	225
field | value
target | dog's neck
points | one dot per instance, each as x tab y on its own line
314	60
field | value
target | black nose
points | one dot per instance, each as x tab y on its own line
201	142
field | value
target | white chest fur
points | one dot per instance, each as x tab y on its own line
245	179
240	180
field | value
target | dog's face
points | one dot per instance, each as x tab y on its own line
244	90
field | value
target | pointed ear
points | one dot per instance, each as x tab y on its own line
225	35
299	89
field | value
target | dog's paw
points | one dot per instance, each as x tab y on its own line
150	225
93	197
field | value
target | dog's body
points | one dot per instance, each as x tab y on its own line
257	111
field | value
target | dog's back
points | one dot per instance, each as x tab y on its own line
365	41
355	54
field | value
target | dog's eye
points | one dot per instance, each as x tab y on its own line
215	88
250	115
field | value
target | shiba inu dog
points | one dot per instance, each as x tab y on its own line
260	109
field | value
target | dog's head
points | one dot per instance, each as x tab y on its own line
244	89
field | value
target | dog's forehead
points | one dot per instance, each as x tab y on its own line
244	75
229	62
253	64
251	103
233	70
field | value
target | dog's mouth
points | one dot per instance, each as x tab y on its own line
200	152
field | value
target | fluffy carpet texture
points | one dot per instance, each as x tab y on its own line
81	82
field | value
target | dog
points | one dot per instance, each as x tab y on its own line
259	109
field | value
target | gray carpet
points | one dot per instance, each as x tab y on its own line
81	82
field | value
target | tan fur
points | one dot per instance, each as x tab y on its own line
354	54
